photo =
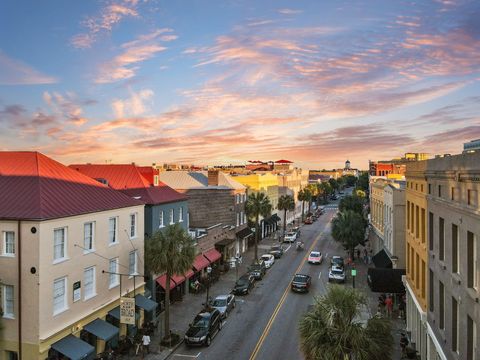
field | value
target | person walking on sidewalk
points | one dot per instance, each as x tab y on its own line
389	305
146	344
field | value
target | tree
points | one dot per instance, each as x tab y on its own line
362	182
324	189
360	193
258	204
313	189
351	202
333	183
348	228
285	203
304	195
349	180
337	328
171	252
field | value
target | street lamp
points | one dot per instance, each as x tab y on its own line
209	270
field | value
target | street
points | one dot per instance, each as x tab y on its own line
264	323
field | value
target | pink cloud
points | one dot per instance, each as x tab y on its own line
15	72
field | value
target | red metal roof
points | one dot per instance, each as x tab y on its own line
283	162
200	262
162	281
212	255
128	179
33	186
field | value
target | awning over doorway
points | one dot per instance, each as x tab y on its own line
225	242
74	348
101	329
386	280
212	255
143	303
162	281
242	234
179	279
200	262
381	260
189	274
115	313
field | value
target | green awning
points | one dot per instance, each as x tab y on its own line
144	303
74	348
101	329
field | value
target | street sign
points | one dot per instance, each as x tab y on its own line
354	272
127	310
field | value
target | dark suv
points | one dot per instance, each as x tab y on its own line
244	285
205	326
301	283
257	271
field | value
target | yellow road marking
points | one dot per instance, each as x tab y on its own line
280	303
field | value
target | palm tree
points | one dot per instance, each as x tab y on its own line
171	252
348	228
313	189
258	204
304	195
338	328
351	202
285	203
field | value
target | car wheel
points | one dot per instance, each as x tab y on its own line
208	340
248	291
234	304
220	325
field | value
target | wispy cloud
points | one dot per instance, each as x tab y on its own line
16	72
125	65
65	106
133	106
286	11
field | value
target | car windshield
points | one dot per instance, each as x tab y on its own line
242	281
201	321
314	254
300	278
275	248
219	302
337	272
291	234
265	257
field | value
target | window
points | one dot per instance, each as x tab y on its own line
160	220
244	197
7	303
408	215
421	188
471	338
417	222
430	189
417	273
431	290
242	218
59	245
11	355
424	228
155	180
172	216
472	197
452	194
238	218
441	300
441	238
416	187
430	231
89	280
88	236
455	248
180	214
132	262
8	243
112	230
454	324
114	279
133	225
59	295
471	260
412	215
439	191
423	285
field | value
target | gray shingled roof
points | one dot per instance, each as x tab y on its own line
183	180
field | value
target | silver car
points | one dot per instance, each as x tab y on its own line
224	304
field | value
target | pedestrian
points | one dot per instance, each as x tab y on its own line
403	342
389	305
146	343
401	309
365	256
381	303
370	252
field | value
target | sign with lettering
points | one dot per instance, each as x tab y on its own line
354	272
77	291
127	310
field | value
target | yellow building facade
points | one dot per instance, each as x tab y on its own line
264	182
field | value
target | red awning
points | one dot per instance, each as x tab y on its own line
189	274
212	255
200	262
161	280
178	278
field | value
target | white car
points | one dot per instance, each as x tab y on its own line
315	257
268	259
336	274
290	237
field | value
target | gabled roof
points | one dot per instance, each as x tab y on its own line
184	180
128	179
283	162
35	187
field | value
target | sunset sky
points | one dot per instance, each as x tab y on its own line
210	82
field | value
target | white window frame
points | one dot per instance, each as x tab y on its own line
180	214
115	231
172	216
135	263
161	220
87	295
134	225
237	198
242	218
6	244
113	279
87	250
238	219
6	311
65	298
65	256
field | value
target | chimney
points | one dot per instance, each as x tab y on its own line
213	177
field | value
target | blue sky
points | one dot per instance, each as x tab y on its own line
200	82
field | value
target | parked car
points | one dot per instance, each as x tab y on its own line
244	284
301	283
204	327
224	304
315	257
337	261
290	237
276	251
257	271
308	221
268	260
296	229
336	274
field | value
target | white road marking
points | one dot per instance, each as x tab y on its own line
189	356
320	275
289	246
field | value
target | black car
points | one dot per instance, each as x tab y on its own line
244	284
276	251
257	271
205	326
301	283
